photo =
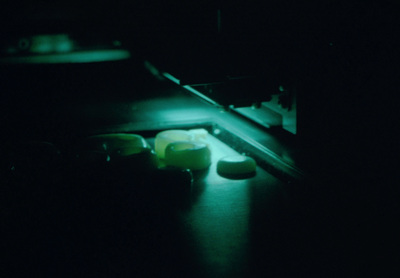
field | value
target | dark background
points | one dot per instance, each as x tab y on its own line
344	53
341	54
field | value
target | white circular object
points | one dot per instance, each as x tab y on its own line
169	136
188	155
236	165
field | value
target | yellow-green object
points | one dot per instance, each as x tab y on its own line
169	136
119	146
188	155
118	143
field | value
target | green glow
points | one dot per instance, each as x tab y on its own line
190	89
221	239
172	78
44	44
118	143
72	57
117	43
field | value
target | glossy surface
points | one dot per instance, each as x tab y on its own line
164	138
109	219
236	165
122	144
102	221
188	155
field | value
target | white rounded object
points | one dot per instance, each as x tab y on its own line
199	133
164	138
188	155
236	165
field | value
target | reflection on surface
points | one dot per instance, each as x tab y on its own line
71	57
220	216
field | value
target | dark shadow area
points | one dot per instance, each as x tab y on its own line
63	218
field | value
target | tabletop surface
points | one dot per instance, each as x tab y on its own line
232	228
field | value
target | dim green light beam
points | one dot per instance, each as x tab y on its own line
72	57
190	89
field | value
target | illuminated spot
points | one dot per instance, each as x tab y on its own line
64	46
41	44
172	78
152	69
51	43
190	89
217	131
256	105
108	158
